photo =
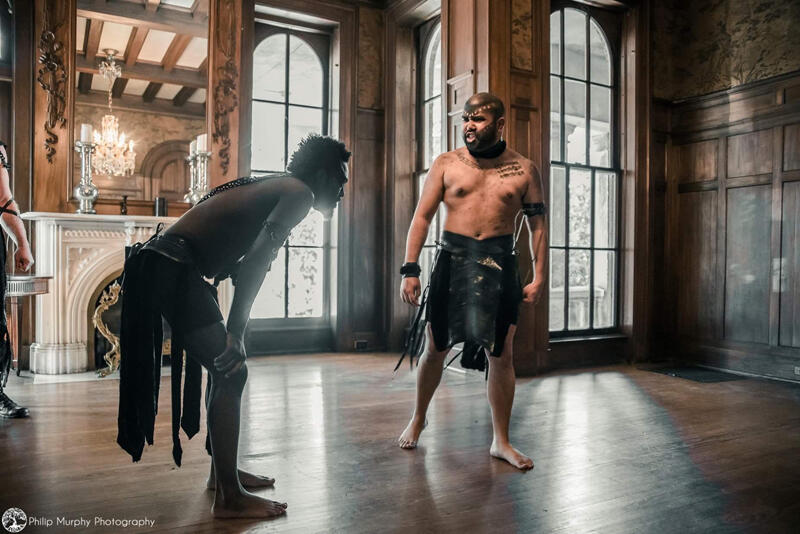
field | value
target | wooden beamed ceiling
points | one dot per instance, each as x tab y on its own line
152	73
185	25
176	49
134	15
135	42
135	103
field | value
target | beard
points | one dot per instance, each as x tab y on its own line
483	139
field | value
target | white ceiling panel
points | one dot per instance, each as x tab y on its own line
198	97
178	3
80	33
168	91
195	53
136	87
114	36
155	45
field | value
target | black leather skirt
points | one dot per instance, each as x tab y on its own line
474	293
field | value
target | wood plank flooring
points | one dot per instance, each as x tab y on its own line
617	450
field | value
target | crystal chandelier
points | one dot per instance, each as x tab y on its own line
112	156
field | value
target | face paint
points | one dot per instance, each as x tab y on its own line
479	128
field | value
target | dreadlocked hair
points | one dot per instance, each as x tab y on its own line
315	152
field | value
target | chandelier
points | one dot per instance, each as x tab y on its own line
112	156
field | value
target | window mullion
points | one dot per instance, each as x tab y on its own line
567	170
591	250
563	132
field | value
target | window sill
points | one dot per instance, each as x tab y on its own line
594	337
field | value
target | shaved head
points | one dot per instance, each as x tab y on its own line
482	121
485	102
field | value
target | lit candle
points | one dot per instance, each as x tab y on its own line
193	147
86	133
202	143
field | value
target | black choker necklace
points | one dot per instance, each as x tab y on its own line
491	152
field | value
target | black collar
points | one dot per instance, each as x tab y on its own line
491	152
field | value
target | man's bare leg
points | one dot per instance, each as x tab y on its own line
501	398
224	412
429	374
248	480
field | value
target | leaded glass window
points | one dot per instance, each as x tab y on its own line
584	176
290	100
430	139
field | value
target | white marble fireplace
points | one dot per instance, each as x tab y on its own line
80	252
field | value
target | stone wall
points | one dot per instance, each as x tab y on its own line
704	46
146	129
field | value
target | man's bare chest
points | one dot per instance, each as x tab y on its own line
504	181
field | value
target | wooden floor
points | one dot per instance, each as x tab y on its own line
617	450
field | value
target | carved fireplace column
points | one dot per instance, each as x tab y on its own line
228	101
477	37
53	94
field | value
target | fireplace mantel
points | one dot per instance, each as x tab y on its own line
80	252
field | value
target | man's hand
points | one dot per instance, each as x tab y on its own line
532	293
23	259
232	359
410	290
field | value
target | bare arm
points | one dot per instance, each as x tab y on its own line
537	230
23	258
290	210
429	200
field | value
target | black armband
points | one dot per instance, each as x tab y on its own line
5	209
4	162
411	269
531	209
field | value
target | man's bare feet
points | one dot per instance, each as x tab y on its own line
511	455
408	439
248	480
247	505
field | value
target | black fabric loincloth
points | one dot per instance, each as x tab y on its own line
474	294
160	279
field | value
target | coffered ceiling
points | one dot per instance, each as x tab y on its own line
161	45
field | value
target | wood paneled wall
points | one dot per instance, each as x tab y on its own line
228	95
733	179
53	95
400	90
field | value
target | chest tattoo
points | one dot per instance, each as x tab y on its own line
511	168
504	170
468	162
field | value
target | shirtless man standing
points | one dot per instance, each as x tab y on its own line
475	290
235	231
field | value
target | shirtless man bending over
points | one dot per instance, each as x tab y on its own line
475	290
235	231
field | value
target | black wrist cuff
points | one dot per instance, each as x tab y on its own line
411	269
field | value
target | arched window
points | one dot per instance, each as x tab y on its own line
430	125
584	175
290	100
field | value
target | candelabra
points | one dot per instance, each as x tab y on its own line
192	196
202	172
85	191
